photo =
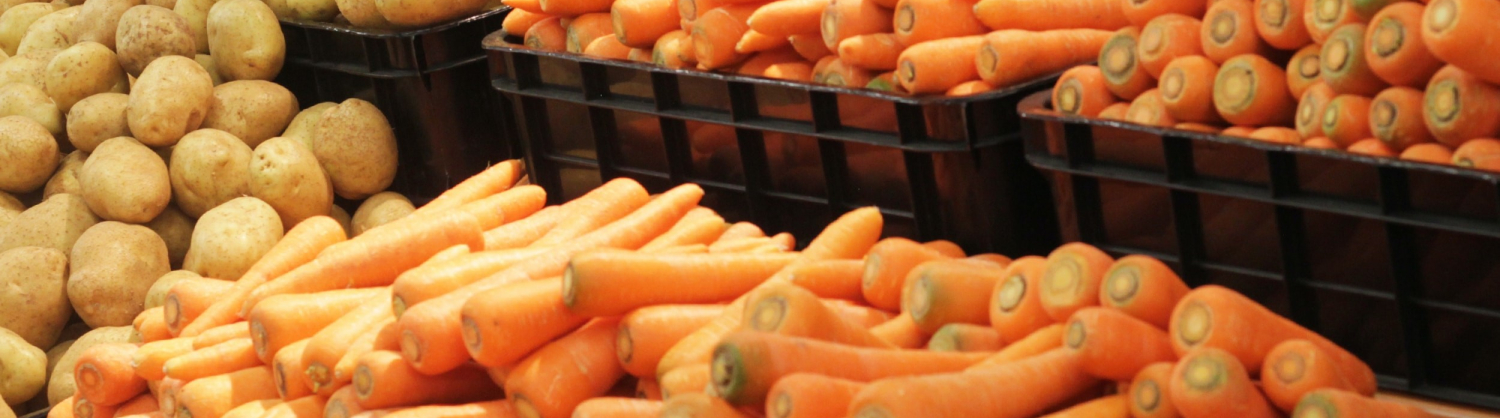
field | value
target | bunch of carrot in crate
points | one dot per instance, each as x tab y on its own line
484	303
1384	78
957	47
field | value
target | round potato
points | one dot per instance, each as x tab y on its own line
286	175
357	148
7	4
162	3
55	223
341	215
125	181
82	71
306	122
427	12
176	229
380	209
158	293
209	167
98	20
66	178
146	33
49	35
23	368
210	65
29	155
246	40
169	100
232	237
196	13
314	10
252	110
362	13
60	386
36	296
10	208
97	118
23	70
19	99
111	268
16	20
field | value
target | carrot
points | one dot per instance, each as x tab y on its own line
547	35
1115	111
685	380
608	407
752	42
82	408
1113	406
1051	15
1338	403
497	209
1213	316
607	47
212	396
1322	17
576	8
950	249
1198	127
1016	310
1166	38
151	326
63	409
431	281
1228	31
965	337
1295	368
786	309
876	51
747	229
1346	119
386	338
1082	91
1148	392
807	395
104	375
613	283
329	346
1020	389
1454	104
489	409
641	55
1115	346
1345	66
1395	118
533	6
522	232
141	405
383	380
148	359
1320	143
1277	135
647	333
1479	153
698	405
1010	57
941	292
691	10
1459	32
809	46
288	370
519	21
344	403
1142	12
901	331
216	335
1430	153
300	245
1250	90
1310	110
229	356
1038	342
554	380
1280	24
285	319
639	23
844	19
788	17
166	395
1392	49
304	407
252	409
1142	287
839	74
918	21
503	325
716	33
189	298
1304	69
648	389
493	180
1372	147
1123	73
587	27
1147	109
887	266
747	363
835	279
1071	279
782	63
1210	382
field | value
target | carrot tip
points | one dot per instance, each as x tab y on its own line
1290	367
1011	292
1441	14
919	300
768	314
1236	86
1147	395
781	405
1273	13
1196	323
624	344
1203	374
727	374
1076	335
1442	101
1121	284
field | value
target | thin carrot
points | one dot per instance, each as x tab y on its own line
1322	17
1280	23
1082	91
503	325
610	407
383	380
698	405
744	229
876	51
950	249
839	74
1320	143
781	63
431	281
151	326
190	297
718	31
1019	389
1166	38
149	358
1456	105
607	47
786	309
229	356
648	389
1228	31
1304	69
576	8
104	375
835	279
533	6
326	348
1392	46
685	380
938	65
289	372
1115	346
844	19
810	46
1251	90
519	21
942	292
1010	57
1459	32
1142	12
1016	308
1123	73
1309	120
1295	368
1071	279
647	333
788	17
752	42
497	209
691	10
1142	287
220	334
886	268
1198	127
304	407
1113	406
300	245
641	55
1277	135
285	319
613	283
1115	111
211	397
698	226
1346	119
807	395
965	337
1396	118
385	339
252	409
493	180
1430	153
1210	382
918	21
1338	403
639	23
1346	67
1050	15
1148	109
1481	153
1148	392
901	331
553	381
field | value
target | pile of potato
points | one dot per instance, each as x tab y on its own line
380	14
142	143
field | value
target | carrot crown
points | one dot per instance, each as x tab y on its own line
1117	59
1326	12
1012	291
1236	85
1204	373
1068	100
1121	283
1309	66
1273	13
1197	323
1076	334
1388	37
1063	276
1443	101
1315	405
1223	26
1441	15
728	376
1147	395
1290	367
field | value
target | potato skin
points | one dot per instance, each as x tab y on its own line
55	223
66	178
252	110
81	71
49	34
245	38
36	296
306	123
97	118
24	70
169	100
363	13
146	33
426	12
233	236
125	181
176	229
17	99
357	148
210	65
10	208
196	13
30	154
112	267
23	368
16	20
61	385
98	20
380	209
286	175
209	167
313	10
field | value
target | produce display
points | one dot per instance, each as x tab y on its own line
379	14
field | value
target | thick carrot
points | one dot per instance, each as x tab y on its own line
1142	287
63	409
747	363
386	338
1338	403
1019	389
646	334
783	64
716	32
305	407
289	372
502	408
1396	118
648	389
1372	147
788	17
1295	368
918	21
1166	38
1082	91
551	382
82	408
844	19
1122	69
493	180
229	356
1345	66
834	279
577	8
613	283
1148	109
166	392
1009	57
685	380
639	23
142	404
887	266
1457	105
1392	46
344	403
1115	111
942	292
1198	127
1251	90
383	380
519	21
1277	135
211	397
698	405
586	27
522	232
533	6
1141	12
691	10
1115	346
151	326
1309	120
1210	382
965	337
1148	392
1071	279
951	249
810	46
220	334
331	345
1322	17
189	298
1038	342
285	319
497	209
611	407
876	51
1480	153
1430	153
1320	143
104	375
1304	69
641	55
1346	119
430	281
839	74
808	395
1112	406
1460	32
547	35
901	331
786	309
1016	308
149	358
607	47
752	42
252	409
1214	316
503	325
300	245
1280	23
1051	14
1228	31
746	229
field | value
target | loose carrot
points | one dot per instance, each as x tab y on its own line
1210	382
211	397
648	389
216	335
1122	70
229	356
718	31
285	319
1310	110
533	6
575	8
1459	32
503	325
638	55
1213	316
326	348
289	372
519	21
502	408
942	292
747	363
1372	147
887	266
877	51
787	18
387	338
809	46
344	403
252	409
151	326
1338	403
1148	392
1115	111
839	74
1481	153
1019	389
493	180
144	403
965	337
300	245
189	298
1016	310
950	249
1295	368
82	408
685	380
1113	406
1304	69
148	359
1115	346
752	42
1277	135
1228	31
1142	12
1051	15
646	334
1454	106
1280	23
431	281
607	47
1071	279
1346	119
383	380
844	19
1142	287
104	375
835	279
523	232
166	392
1396	118
786	309
1250	90
586	27
691	10
617	408
1430	153
613	283
1010	57
783	64
1166	38
698	405
807	395
553	381
1392	48
547	35
918	21
1322	17
1082	91
517	203
639	23
1148	109
901	331
1345	66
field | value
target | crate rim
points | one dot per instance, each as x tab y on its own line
392	33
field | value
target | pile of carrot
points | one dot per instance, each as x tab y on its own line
1383	78
952	47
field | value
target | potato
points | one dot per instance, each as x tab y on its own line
65	180
357	148
176	229
28	154
97	118
24	70
16	20
60	385
169	100
230	238
362	13
286	175
10	208
36	297
150	32
252	110
49	35
306	122
54	355
112	267
427	12
125	181
246	40
157	295
23	368
55	223
314	10
196	13
7	4
162	3
6	411
98	21
380	209
341	215
82	71
17	99
209	167
210	65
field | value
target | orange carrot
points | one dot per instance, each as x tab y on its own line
502	408
918	21
1280	23
143	404
613	283
252	409
1457	105
782	64
638	55
639	23
149	358
1210	382
166	392
493	180
329	346
835	279
647	333
1187	87
151	326
1309	120
1016	309
1481	153
1346	67
1396	118
1430	153
497	209
1115	111
1142	12
533	6
901	331
876	51
1228	31
1082	91
837	73
297	247
1304	70
858	314
547	35
553	381
576	8
1148	109
1346	119
1115	346
586	27
503	325
691	10
648	389
344	403
887	266
522	232
1010	57
1050	15
809	46
1338	403
807	395
752	42
668	50
384	380
935	66
1372	147
745	229
965	337
304	407
289	372
1148	392
788	17
82	408
607	47
698	405
518	21
1142	287
1320	143
229	356
63	409
189	298
386	338
1322	17
1071	279
950	249
1049	380
1295	368
104	375
430	281
1250	90
716	32
1113	406
844	19
1166	38
608	407
941	292
211	397
1198	127
285	319
786	309
220	334
1277	135
1459	32
1392	48
685	380
1122	70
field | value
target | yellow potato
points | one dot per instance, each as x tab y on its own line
125	181
55	223
16	20
196	13
357	148
49	35
230	238
65	180
18	99
100	117
60	385
208	63
252	110
158	293
303	126
10	208
169	100
286	175
98	20
36	296
150	32
81	71
176	229
162	3
380	209
427	12
111	268
28	154
7	4
23	368
24	70
209	167
313	10
245	39
362	13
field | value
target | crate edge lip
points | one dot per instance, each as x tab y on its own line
392	33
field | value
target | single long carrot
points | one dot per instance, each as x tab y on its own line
220	334
383	380
1338	403
1296	367
503	325
1142	287
698	226
698	405
1166	38
611	407
1187	89
966	338
942	292
300	245
211	397
189	298
935	66
502	408
809	46
517	203
918	21
1148	109
1148	392
1459	33
327	347
839	74
1123	73
834	279
1071	279
808	395
1396	118
752	42
1322	17
1431	153
613	283
553	381
1346	119
252	409
786	309
227	357
685	380
1112	406
1210	382
788	17
104	375
1346	68
843	19
1010	57
1309	119
151	325
901	331
148	359
1016	307
1018	389
639	23
1251	90
1142	12
547	35
430	281
1479	153
285	319
718	31
518	21
1280	23
607	203
1304	69
1051	14
646	334
1392	48
1082	91
344	403
290	372
887	266
491	181
1115	346
1455	103
876	51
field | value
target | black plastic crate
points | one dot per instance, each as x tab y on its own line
1397	261
787	156
430	83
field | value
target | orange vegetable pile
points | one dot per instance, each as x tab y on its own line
1383	78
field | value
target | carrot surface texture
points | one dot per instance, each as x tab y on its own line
189	298
211	397
324	350
938	65
614	283
219	334
1187	89
555	379
943	292
1051	14
1455	105
966	338
104	375
1461	33
1337	403
285	319
1251	90
611	407
1123	72
1071	279
788	17
807	395
1304	69
887	266
1018	389
383	380
918	21
1115	346
1010	57
786	309
1393	46
229	356
1210	382
503	325
1280	23
1295	368
1016	306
